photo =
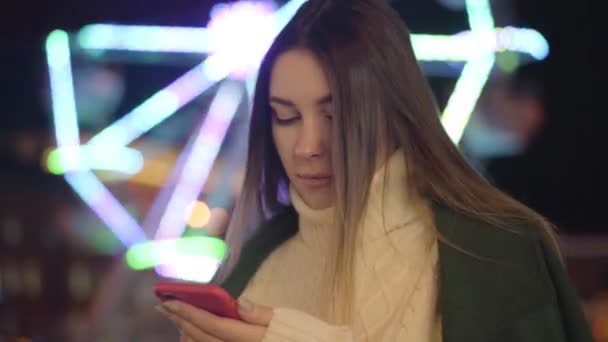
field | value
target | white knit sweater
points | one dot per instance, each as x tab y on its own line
396	271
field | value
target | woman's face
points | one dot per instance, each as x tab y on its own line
301	103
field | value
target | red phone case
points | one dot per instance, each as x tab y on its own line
208	297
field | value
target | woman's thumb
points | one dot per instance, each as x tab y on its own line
254	313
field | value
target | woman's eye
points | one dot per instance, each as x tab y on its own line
285	121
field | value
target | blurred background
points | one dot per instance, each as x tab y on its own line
123	134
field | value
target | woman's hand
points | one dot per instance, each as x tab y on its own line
198	325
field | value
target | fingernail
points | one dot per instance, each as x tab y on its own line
245	305
160	309
170	306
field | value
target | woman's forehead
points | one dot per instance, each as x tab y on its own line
298	76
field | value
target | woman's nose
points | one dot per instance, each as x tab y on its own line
311	140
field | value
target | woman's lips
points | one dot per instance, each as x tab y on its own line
315	181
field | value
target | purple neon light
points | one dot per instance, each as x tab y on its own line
106	206
198	166
155	110
156	211
85	184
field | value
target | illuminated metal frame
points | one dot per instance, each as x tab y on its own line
475	48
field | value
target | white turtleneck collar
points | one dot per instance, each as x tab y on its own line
389	206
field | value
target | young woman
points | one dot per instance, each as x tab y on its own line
370	224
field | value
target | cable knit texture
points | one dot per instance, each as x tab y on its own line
395	270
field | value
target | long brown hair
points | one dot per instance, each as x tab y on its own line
378	90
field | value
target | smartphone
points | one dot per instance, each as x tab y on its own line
208	297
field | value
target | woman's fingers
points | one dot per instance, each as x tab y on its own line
205	326
188	331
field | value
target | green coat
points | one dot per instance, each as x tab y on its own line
525	296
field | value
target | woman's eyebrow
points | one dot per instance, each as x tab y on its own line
326	99
281	101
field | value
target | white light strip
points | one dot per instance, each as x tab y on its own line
465	95
158	108
65	116
144	38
